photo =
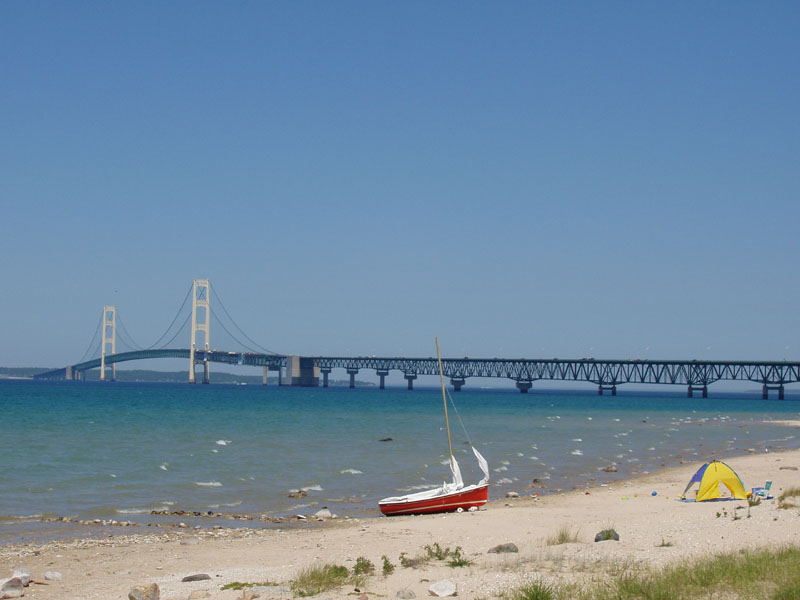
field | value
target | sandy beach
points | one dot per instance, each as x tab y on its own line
109	568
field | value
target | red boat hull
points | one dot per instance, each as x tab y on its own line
464	499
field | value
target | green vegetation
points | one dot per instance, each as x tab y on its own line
664	544
753	574
455	558
388	567
363	566
317	579
239	585
565	535
537	590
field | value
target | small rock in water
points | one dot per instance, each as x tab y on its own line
298	494
512	495
52	576
145	592
504	548
198	577
610	469
386	440
12	588
443	588
323	513
406	595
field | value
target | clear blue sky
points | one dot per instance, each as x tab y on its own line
615	179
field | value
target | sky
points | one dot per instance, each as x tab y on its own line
520	179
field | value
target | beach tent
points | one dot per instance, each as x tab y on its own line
710	476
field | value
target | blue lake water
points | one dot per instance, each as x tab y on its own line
119	450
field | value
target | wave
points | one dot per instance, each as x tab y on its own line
222	442
577	452
208	483
351	472
312	488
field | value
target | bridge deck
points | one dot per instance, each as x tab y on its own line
604	373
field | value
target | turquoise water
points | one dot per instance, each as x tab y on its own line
117	450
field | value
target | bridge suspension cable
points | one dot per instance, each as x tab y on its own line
175	318
225	310
92	342
180	329
130	342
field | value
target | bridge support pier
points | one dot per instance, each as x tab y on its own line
410	377
457	382
325	372
68	373
352	373
206	372
523	385
382	373
607	388
264	377
765	391
697	388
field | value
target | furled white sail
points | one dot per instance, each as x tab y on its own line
483	464
458	482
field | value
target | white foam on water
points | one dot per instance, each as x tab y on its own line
222	442
163	466
133	511
232	504
208	483
505	462
312	488
504	480
112	475
577	452
215	450
577	439
499	469
351	472
534	457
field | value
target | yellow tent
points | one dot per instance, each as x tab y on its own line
710	475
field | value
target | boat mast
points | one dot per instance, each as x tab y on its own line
444	400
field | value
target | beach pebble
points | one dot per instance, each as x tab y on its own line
323	513
12	588
442	588
52	576
198	577
145	592
406	595
512	495
23	574
503	549
190	540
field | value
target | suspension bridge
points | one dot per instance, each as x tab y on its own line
694	375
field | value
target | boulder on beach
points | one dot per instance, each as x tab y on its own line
442	588
197	577
145	592
11	588
503	549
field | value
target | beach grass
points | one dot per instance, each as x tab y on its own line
317	579
764	574
565	535
787	498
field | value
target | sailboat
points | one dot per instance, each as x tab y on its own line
450	497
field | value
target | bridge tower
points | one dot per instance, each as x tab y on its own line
201	320
109	341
